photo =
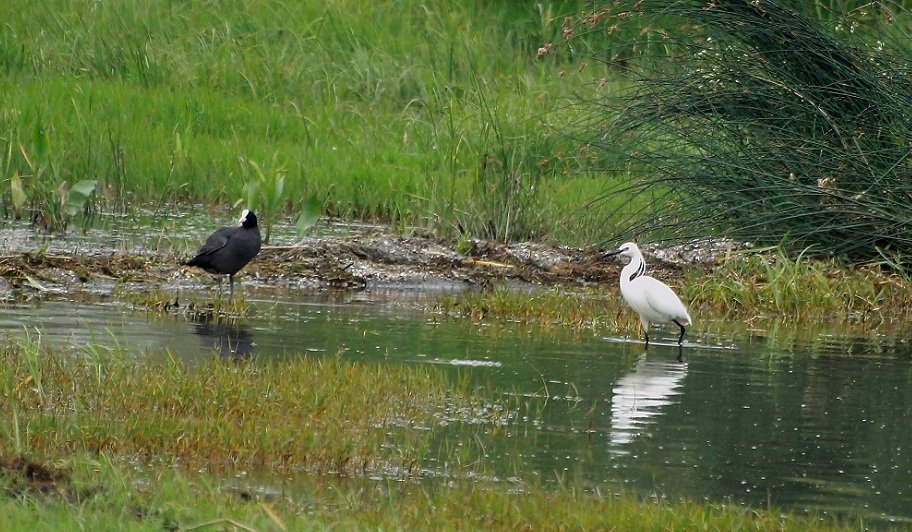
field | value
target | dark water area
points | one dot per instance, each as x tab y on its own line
816	422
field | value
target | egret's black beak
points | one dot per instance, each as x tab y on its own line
615	252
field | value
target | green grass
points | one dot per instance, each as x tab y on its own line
760	287
220	307
400	111
761	124
316	414
582	309
394	111
107	496
767	283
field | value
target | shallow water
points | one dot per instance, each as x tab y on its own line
816	422
148	230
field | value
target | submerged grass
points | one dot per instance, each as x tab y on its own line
545	307
221	307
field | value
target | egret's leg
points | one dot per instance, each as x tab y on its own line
645	325
680	353
681	337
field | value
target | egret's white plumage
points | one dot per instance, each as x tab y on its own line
652	299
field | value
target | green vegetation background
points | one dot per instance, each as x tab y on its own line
434	114
440	115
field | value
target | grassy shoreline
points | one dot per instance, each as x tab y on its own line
110	496
74	453
117	497
750	288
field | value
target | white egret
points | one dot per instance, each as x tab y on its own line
652	299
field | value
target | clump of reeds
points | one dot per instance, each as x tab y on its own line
752	120
770	284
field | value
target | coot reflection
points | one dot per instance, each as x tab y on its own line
228	339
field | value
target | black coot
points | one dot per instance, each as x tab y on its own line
229	249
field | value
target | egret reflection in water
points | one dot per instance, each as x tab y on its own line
640	395
229	339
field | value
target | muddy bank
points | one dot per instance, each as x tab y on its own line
359	261
21	476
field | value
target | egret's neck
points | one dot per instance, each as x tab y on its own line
635	268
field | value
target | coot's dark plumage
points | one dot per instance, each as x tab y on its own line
229	249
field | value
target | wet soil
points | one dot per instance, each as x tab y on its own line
369	259
22	476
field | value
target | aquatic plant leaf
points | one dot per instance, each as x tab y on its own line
79	195
310	213
17	193
25	155
278	189
252	193
63	193
257	170
35	284
86	188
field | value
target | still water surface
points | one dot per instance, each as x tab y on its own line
822	426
